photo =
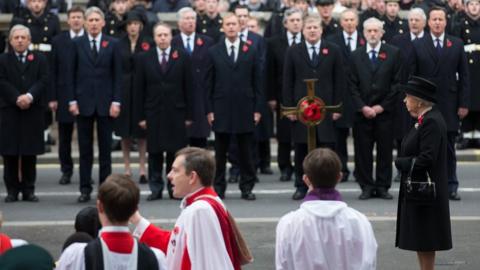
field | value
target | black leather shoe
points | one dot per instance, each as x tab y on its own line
345	177
266	170
285	176
154	197
143	179
366	194
65	179
248	196
299	195
383	194
454	196
30	197
11	198
83	198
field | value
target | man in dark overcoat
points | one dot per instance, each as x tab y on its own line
95	96
441	58
234	95
23	80
163	83
374	77
276	49
197	46
60	71
319	59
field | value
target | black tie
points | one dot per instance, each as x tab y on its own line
294	39
94	49
438	46
373	57
232	54
189	49
20	58
349	44
314	56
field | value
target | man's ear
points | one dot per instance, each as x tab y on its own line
100	207
193	178
306	180
339	177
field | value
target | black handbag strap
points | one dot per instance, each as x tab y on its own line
409	176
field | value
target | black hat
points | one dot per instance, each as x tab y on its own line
87	221
134	16
324	2
392	1
421	88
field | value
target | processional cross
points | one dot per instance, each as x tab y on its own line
310	111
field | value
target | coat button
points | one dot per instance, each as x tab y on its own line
470	61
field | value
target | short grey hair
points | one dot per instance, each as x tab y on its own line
184	11
373	21
313	18
289	12
350	10
19	27
92	10
417	11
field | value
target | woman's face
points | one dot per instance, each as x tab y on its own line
412	104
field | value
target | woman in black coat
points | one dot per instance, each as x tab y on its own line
424	227
125	125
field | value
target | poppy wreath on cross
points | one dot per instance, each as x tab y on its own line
311	111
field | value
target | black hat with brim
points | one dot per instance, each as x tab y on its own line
324	2
421	88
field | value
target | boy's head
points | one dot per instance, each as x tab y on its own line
322	169
118	199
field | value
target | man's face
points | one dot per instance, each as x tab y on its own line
349	22
187	23
325	11
162	37
199	5
253	26
242	14
231	27
212	6
373	34
473	8
75	21
120	7
392	9
134	28
181	181
20	40
36	6
94	24
437	22
294	23
416	23
302	5
312	32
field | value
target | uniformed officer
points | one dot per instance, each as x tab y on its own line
392	23
455	15
210	23
469	32
115	19
329	24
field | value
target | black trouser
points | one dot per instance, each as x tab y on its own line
451	162
301	151
65	131
247	171
367	133
341	148
85	142
284	156
262	154
11	177
155	171
198	142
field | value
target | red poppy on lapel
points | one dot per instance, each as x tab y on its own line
30	57
325	51
175	55
245	48
145	46
249	42
449	43
199	42
382	56
104	44
362	42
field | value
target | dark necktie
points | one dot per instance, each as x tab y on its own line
189	49
438	46
314	56
21	58
163	63
349	44
373	57
232	54
294	39
241	37
94	49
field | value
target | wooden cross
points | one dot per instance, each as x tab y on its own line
310	110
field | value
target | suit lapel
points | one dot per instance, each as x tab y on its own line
172	59
156	61
366	58
428	45
85	44
18	65
306	55
381	57
104	44
224	53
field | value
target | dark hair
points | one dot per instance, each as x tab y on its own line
75	9
322	166
119	196
241	7
437	8
87	221
200	161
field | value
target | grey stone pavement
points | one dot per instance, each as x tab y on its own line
50	221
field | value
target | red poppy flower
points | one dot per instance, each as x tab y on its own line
104	44
30	57
249	42
449	43
382	56
145	46
174	55
312	113
420	119
362	42
245	48
325	51
199	42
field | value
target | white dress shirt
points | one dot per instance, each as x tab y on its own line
160	54
243	34
79	34
376	49
309	48
441	38
191	40
353	41
298	38
413	37
236	45
98	40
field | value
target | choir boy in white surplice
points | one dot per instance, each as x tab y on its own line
324	233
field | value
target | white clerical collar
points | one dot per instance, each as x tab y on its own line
114	229
441	38
413	36
316	45
376	49
353	36
97	38
160	51
229	44
79	34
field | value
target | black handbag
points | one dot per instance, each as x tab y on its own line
419	191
